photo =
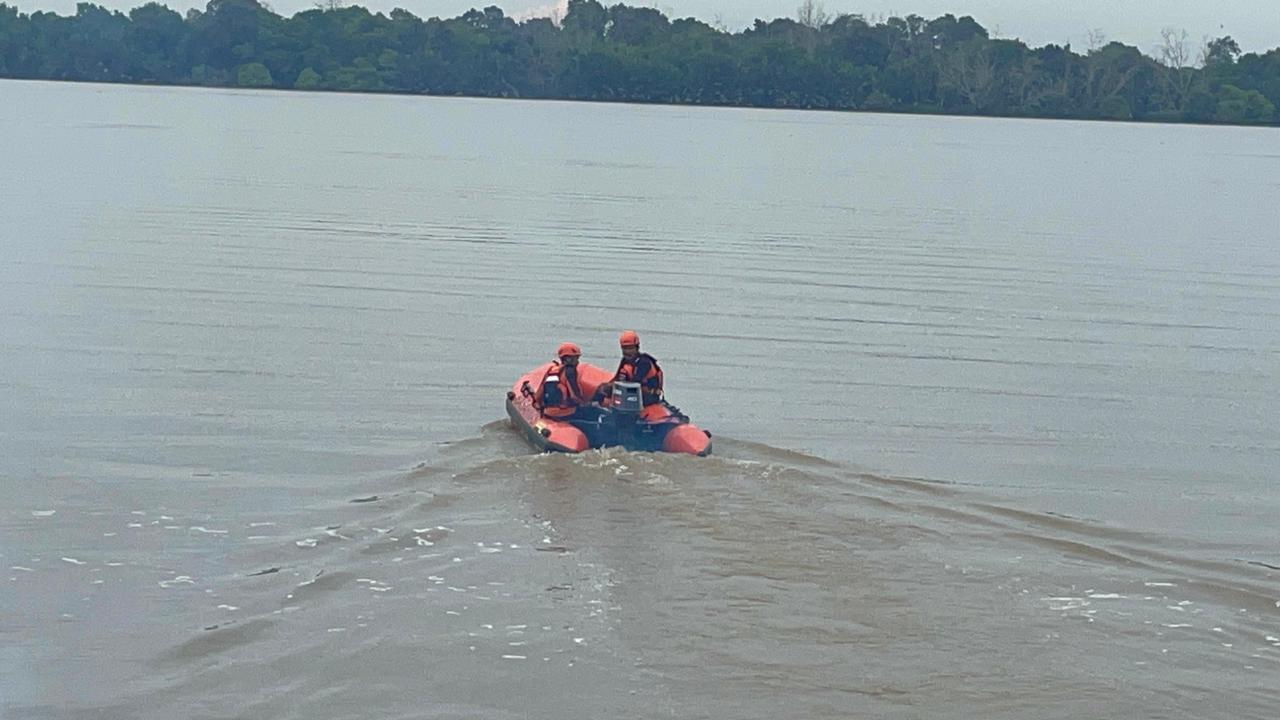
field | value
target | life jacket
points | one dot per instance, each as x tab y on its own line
557	395
650	384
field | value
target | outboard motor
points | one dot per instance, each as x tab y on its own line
627	402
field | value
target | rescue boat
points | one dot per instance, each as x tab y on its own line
623	422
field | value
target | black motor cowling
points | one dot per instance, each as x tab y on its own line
627	401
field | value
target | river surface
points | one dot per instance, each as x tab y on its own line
994	404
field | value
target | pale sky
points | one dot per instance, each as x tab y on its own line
1255	24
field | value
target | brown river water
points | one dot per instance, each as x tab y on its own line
994	405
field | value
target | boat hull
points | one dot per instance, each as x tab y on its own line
659	428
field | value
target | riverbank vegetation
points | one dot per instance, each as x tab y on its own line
637	54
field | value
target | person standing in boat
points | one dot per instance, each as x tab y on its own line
636	367
559	395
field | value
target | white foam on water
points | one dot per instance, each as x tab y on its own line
1159	584
20	568
207	531
73	561
1176	625
179	580
229	608
1108	596
514	657
261	524
43	513
307	543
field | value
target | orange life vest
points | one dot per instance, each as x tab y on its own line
650	384
557	396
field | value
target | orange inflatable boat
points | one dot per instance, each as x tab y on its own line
623	422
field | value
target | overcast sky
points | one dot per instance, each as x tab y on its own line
1255	24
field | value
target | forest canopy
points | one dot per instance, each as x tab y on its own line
637	54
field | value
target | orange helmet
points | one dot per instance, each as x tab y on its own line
629	338
568	349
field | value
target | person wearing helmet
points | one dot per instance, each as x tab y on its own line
559	395
636	367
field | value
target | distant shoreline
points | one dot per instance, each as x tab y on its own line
837	111
947	66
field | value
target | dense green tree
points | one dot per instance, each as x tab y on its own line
156	44
254	75
15	42
636	26
585	21
308	79
95	48
1243	106
1221	51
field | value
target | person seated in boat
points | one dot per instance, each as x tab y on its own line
559	394
636	367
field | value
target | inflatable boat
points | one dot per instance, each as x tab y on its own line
623	421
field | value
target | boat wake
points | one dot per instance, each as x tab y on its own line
609	572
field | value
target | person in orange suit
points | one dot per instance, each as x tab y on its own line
559	395
637	367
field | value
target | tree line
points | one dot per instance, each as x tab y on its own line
637	54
